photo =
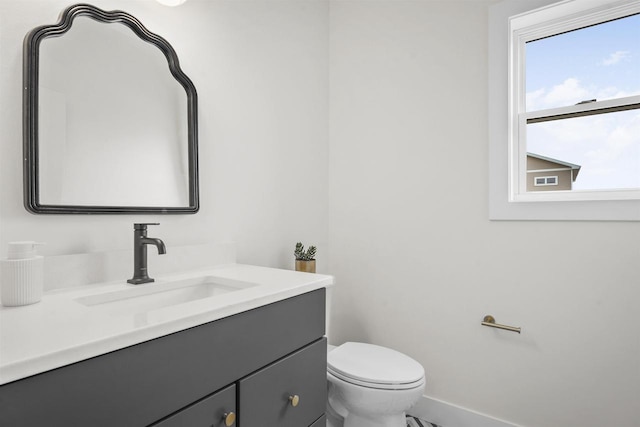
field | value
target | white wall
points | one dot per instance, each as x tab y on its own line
417	261
419	264
260	69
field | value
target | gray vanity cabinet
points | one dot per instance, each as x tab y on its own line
212	411
289	393
320	422
248	363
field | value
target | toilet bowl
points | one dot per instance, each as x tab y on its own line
371	386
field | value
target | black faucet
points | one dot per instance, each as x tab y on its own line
140	242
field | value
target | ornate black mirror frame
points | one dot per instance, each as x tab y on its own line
30	115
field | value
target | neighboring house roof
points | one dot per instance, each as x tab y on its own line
571	166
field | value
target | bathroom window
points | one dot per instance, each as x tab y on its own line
576	98
573	91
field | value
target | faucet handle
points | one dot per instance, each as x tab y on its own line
143	225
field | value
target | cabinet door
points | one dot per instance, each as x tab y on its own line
216	410
291	392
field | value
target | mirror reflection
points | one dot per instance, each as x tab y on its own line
111	119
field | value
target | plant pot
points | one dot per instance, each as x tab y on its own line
306	266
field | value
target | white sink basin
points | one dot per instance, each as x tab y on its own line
161	294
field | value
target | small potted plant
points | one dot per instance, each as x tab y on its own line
305	260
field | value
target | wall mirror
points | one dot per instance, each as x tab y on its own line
110	119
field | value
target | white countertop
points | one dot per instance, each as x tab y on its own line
60	330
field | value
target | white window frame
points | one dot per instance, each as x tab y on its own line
546	181
550	21
529	20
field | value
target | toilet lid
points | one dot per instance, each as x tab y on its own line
374	366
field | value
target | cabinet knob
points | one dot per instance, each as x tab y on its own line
229	418
295	399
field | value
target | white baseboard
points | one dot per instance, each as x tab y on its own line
448	415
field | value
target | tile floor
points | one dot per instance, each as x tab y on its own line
417	422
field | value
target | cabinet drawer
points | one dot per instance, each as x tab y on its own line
264	395
208	412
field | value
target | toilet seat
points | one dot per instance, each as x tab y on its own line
373	366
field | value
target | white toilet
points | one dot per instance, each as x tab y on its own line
371	386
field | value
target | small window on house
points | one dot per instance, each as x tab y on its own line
575	102
546	180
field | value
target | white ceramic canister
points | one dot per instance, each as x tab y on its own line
21	275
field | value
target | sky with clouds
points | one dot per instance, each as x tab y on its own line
599	62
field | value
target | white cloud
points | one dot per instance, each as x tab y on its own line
613	92
607	147
615	57
534	99
619	138
569	92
